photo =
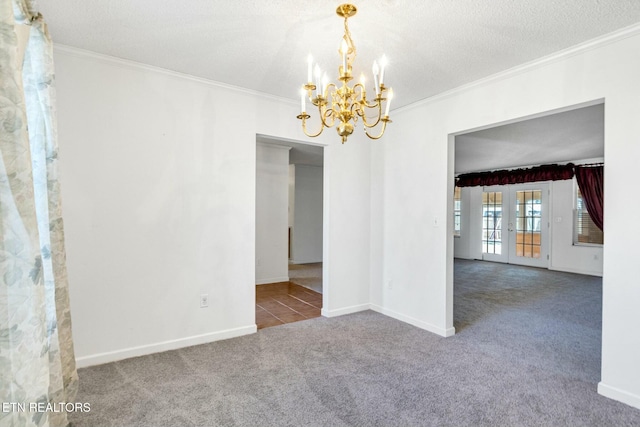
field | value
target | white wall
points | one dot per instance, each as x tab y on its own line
292	194
307	226
272	217
158	174
346	257
564	255
469	244
158	180
417	161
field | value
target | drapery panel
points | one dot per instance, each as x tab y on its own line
591	182
37	363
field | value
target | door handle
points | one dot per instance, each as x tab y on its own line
510	226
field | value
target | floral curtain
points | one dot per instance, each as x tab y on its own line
37	362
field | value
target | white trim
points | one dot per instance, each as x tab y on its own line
272	280
345	310
577	271
448	332
125	63
619	395
558	56
595	43
112	356
305	261
270	145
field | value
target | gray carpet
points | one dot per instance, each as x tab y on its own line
527	353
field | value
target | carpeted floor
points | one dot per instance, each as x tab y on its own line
527	353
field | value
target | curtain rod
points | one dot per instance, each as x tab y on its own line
532	167
591	164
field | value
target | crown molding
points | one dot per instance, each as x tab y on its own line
125	63
596	43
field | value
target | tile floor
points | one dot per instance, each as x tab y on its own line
285	302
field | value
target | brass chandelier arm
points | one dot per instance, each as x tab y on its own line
363	96
378	105
330	114
326	90
359	94
325	114
304	118
325	111
384	120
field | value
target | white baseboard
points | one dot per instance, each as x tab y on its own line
577	271
272	280
401	317
345	310
448	332
619	395
306	261
112	356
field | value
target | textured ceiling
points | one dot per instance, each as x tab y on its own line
562	137
432	45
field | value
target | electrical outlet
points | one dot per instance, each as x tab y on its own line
204	300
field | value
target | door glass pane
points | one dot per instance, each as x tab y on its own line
528	223
457	211
492	222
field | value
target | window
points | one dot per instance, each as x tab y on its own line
456	212
528	223
492	222
585	230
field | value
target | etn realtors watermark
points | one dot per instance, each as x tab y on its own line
57	407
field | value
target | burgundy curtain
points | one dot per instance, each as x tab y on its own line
516	176
591	182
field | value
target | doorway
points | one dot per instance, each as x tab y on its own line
530	225
289	230
527	224
515	224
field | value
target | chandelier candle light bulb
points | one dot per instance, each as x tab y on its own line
341	102
383	64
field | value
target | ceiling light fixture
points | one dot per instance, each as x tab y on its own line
345	104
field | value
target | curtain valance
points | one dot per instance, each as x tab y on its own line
516	176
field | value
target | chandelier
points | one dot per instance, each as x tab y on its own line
345	104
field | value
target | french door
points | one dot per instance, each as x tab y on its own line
515	224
